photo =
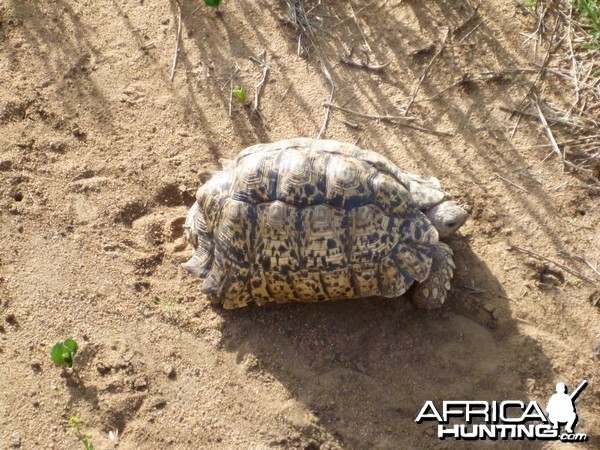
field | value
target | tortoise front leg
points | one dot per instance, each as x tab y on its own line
431	293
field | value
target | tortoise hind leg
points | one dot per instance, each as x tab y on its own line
431	293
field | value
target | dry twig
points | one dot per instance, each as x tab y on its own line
296	15
459	29
362	64
329	78
396	120
585	261
541	71
548	131
466	36
553	119
178	40
229	82
510	182
465	79
463	25
261	60
426	71
386	118
576	141
351	124
557	264
359	28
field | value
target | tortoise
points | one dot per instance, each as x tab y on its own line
311	220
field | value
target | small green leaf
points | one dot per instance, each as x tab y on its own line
74	425
57	353
240	94
596	74
62	352
212	3
71	345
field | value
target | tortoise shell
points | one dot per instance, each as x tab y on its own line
310	220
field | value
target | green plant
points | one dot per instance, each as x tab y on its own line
590	10
169	307
240	94
85	439
212	3
63	352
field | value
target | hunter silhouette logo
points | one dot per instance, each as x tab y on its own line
561	407
509	419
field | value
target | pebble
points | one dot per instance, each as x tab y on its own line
140	384
102	368
16	440
169	370
128	356
489	307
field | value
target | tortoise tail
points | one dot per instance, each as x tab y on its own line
196	234
200	263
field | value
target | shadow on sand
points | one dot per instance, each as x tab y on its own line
365	368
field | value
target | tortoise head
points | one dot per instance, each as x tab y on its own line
446	217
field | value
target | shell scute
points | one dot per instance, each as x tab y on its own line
255	178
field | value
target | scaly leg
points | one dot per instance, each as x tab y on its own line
431	293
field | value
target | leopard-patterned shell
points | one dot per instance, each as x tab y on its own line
310	220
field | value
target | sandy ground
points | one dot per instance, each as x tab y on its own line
99	160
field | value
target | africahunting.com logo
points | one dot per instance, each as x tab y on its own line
510	419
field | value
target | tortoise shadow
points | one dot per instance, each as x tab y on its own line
364	369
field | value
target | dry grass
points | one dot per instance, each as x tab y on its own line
570	34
